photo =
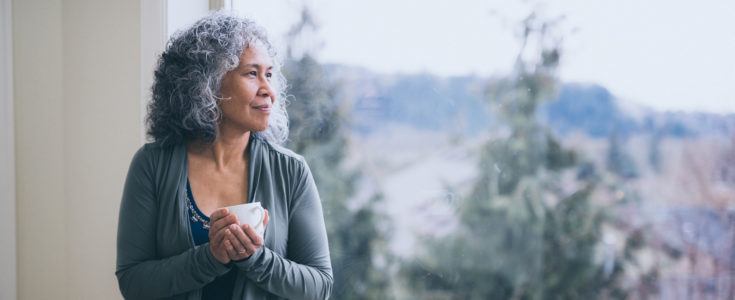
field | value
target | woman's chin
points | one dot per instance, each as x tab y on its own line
252	126
260	127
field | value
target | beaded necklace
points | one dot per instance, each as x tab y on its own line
193	212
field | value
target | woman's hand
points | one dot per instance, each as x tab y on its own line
248	241
220	236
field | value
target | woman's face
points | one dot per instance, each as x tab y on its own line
246	91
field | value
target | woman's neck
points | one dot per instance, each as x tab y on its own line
227	149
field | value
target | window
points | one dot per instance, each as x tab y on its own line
483	151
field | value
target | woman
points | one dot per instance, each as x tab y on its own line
216	119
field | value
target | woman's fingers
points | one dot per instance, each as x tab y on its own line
216	237
229	246
232	237
217	214
217	227
236	242
218	246
255	239
250	244
222	221
231	252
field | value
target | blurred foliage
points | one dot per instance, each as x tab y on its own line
527	229
619	161
654	151
521	236
319	132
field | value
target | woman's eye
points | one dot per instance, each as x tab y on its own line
253	73
269	75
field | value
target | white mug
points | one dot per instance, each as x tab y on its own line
250	213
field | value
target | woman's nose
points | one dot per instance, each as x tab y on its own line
266	90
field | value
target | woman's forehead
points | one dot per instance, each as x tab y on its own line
256	53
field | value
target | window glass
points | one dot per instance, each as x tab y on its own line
493	150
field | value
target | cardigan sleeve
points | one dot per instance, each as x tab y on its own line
140	273
306	271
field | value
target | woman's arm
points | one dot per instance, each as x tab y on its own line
307	271
140	274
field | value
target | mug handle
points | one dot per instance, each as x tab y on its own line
261	211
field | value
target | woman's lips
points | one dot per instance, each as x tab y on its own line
263	108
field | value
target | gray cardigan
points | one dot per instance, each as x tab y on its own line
156	256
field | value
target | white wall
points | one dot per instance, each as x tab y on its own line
81	77
101	84
182	13
8	264
78	120
39	140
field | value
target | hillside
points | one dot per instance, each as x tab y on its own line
457	105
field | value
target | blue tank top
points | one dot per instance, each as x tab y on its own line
222	286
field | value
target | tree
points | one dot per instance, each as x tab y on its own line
319	131
619	162
522	235
654	150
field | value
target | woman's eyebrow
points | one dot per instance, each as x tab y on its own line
257	66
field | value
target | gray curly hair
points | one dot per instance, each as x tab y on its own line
186	88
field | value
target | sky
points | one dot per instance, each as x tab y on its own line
664	54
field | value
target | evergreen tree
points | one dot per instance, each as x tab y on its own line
319	131
654	150
619	161
521	235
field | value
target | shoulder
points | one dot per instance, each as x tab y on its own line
278	152
156	166
151	150
153	153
